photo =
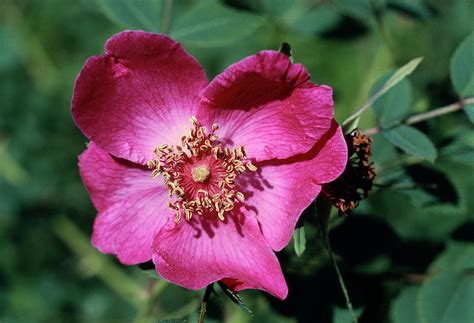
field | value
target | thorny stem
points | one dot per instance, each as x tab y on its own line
205	300
428	115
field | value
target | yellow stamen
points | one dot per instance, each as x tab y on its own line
201	144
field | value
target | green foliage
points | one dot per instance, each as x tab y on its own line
462	68
136	14
211	24
384	87
409	246
207	23
299	241
447	297
341	315
412	141
462	72
404	307
393	106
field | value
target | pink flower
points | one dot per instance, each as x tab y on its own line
206	179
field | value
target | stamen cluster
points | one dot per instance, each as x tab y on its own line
217	166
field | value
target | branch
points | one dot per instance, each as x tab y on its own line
428	115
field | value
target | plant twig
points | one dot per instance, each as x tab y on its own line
428	115
166	18
324	209
205	300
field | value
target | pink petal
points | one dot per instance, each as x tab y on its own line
137	96
283	189
196	253
267	104
132	206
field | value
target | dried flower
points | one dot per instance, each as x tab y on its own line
356	181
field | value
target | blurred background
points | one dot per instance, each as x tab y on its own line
406	253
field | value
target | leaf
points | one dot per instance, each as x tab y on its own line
469	110
361	9
457	256
342	315
411	141
313	20
397	77
392	106
415	8
277	8
299	241
462	68
447	298
210	23
151	273
401	73
403	309
136	14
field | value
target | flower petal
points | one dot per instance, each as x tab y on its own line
140	94
282	190
132	206
267	104
196	253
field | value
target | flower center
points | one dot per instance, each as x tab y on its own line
200	173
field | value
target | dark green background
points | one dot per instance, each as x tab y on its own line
406	253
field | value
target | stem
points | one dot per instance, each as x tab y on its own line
324	211
166	18
428	115
343	287
205	300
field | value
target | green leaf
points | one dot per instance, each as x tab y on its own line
299	241
277	8
403	309
361	9
397	77
457	256
392	106
136	14
342	315
462	68
401	73
414	7
469	110
210	23
151	273
411	141
447	298
312	20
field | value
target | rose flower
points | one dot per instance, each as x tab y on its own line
205	179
